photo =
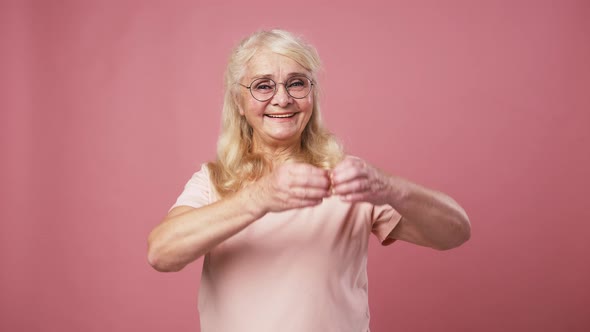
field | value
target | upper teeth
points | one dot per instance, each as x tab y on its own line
280	115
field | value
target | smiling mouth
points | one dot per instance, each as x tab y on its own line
280	116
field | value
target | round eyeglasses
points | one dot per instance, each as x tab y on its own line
263	89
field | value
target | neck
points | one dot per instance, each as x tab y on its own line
277	153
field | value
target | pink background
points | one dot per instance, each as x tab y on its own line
108	107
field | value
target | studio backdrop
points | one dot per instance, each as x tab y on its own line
108	107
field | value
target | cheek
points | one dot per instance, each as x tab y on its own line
307	107
246	104
254	110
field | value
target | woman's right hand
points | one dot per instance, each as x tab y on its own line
188	233
290	186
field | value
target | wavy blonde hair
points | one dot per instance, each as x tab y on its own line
236	164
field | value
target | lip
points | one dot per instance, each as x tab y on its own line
282	115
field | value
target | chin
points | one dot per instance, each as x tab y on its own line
284	135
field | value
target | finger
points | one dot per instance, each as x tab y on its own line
351	187
309	193
316	181
347	174
345	163
348	169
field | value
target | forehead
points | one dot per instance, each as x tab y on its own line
273	65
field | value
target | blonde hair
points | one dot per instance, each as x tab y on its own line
236	164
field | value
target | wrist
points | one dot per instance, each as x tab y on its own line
398	190
250	200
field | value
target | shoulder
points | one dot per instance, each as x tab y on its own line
202	176
198	190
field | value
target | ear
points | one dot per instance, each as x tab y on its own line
240	108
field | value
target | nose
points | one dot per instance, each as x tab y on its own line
281	97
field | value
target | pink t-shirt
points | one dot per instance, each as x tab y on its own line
298	270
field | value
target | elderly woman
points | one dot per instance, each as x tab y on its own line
282	217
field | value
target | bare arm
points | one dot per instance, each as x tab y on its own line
429	218
188	233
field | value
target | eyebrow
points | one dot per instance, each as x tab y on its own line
271	76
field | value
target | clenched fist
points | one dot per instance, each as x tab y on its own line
291	186
355	180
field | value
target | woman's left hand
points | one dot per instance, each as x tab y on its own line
355	180
437	221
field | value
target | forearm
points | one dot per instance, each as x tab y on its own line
187	235
183	238
430	218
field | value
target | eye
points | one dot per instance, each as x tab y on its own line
263	85
297	83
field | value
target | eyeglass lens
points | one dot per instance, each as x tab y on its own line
264	88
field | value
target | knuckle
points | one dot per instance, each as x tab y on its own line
360	186
305	180
303	193
363	186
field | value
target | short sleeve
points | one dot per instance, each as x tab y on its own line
197	191
385	218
